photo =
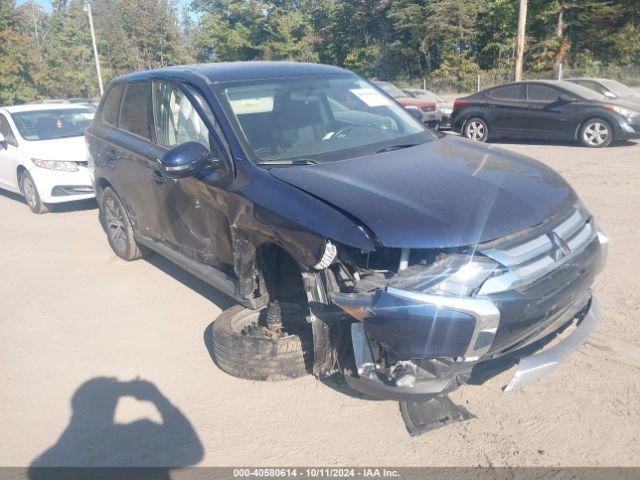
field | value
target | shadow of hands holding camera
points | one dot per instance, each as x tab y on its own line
94	439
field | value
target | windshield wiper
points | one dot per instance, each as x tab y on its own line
289	161
397	147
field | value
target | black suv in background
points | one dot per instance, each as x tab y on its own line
546	109
354	239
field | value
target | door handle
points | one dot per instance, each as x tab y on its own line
157	177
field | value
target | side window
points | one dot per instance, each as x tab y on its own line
596	86
111	105
5	129
510	92
175	118
133	113
542	93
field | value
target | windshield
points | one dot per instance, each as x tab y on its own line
391	89
317	119
582	92
620	89
52	124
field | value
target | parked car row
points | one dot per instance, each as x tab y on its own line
547	109
355	240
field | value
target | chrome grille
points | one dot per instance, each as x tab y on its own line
532	259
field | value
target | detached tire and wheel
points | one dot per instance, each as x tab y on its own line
118	227
477	129
596	133
31	195
246	347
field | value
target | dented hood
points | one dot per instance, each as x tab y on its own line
447	193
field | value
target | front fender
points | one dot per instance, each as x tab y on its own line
266	208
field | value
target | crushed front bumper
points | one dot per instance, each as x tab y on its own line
533	367
533	360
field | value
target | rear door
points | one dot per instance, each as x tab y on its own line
192	211
9	157
549	115
508	110
134	158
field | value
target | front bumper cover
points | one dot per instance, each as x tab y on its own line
531	365
535	366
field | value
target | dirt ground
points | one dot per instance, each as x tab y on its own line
126	342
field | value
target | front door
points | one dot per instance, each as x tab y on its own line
549	116
9	157
192	211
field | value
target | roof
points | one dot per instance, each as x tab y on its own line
237	71
30	107
556	83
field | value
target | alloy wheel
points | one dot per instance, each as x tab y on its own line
115	225
596	133
476	130
30	192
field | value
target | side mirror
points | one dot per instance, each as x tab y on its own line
3	142
415	112
610	94
564	98
185	160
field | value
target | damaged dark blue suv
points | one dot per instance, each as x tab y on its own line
355	240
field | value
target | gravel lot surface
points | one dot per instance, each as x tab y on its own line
104	362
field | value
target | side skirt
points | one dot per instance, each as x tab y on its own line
208	274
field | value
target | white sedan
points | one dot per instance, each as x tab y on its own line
43	155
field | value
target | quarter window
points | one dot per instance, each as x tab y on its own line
175	118
5	129
542	93
134	116
510	92
111	105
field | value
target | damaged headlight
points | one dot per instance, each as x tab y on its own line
458	275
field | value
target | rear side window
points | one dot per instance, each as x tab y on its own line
111	105
510	92
134	116
542	93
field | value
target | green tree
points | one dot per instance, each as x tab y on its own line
17	59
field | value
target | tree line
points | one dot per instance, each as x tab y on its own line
47	52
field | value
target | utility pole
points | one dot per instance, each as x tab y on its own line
522	27
87	8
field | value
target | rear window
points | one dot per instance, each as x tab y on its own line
53	124
134	116
510	92
111	105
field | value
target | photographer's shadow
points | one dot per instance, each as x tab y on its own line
94	439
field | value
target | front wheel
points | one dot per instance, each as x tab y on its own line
476	129
596	133
275	343
31	195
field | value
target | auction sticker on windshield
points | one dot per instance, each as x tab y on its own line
370	96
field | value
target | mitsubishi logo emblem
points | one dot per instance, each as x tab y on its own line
560	247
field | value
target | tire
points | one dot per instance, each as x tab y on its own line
31	195
596	133
118	227
476	129
259	357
